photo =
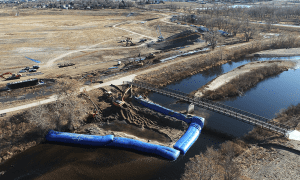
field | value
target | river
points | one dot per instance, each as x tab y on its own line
60	161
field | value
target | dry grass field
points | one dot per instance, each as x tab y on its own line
86	38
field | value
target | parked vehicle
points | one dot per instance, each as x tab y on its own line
32	70
23	71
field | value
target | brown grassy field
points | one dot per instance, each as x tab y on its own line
83	37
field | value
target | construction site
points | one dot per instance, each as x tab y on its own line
140	73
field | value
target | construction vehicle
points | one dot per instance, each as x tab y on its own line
35	67
160	37
129	40
65	65
117	102
107	94
150	56
13	76
140	63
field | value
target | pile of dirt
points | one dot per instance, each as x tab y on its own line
178	40
138	116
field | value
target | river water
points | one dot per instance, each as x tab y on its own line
60	161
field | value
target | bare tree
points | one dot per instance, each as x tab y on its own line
212	37
204	166
231	170
39	117
67	112
247	29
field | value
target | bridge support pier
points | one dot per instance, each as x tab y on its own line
191	108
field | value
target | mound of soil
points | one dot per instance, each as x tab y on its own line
178	40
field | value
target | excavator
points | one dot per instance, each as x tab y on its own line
13	76
160	37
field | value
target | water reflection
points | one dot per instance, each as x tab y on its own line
265	99
214	71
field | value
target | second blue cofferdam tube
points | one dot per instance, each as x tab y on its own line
83	139
163	151
190	136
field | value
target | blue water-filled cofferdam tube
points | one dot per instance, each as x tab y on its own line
188	139
190	136
163	151
110	140
193	132
162	110
83	139
198	120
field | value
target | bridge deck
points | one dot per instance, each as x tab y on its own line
218	107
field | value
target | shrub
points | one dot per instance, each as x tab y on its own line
216	164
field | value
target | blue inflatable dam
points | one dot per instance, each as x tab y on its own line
162	110
163	151
83	139
190	136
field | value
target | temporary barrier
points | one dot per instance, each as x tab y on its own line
110	140
162	110
163	151
193	132
188	139
181	146
83	139
198	120
191	135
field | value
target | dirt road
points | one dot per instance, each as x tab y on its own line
50	62
278	52
54	97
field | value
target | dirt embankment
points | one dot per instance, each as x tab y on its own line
241	79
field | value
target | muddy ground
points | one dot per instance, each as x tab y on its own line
18	133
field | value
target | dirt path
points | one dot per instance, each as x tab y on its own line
54	97
50	62
227	77
278	52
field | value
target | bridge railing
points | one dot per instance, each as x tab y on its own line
216	105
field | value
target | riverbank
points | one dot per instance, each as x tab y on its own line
22	131
239	80
194	64
260	154
277	53
282	157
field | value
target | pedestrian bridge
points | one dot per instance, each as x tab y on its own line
218	107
